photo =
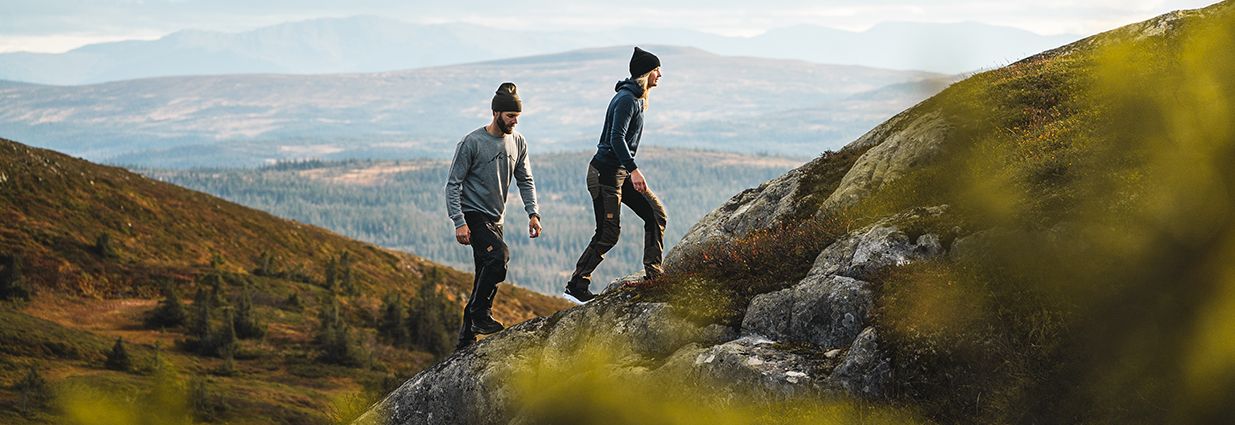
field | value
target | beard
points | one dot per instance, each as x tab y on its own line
501	125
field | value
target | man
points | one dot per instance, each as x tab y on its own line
613	179
484	163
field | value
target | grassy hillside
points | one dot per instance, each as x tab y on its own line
1091	226
400	205
94	245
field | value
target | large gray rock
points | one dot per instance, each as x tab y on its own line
908	141
469	387
867	368
752	367
752	209
832	305
472	386
884	244
638	330
827	311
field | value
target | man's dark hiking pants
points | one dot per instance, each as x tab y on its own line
490	255
610	189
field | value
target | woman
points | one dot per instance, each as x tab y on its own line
614	179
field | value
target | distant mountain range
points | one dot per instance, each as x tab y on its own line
737	104
373	44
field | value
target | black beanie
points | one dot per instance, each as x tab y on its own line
642	62
507	99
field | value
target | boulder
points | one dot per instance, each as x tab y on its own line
910	140
884	244
827	311
866	371
751	366
753	209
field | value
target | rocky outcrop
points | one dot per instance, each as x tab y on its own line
473	386
867	369
827	312
910	139
753	366
881	245
832	309
753	209
812	339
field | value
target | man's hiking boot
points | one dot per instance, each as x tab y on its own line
484	324
580	294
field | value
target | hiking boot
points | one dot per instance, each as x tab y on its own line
484	325
581	294
464	343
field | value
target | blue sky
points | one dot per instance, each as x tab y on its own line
59	25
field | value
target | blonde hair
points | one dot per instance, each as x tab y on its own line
643	84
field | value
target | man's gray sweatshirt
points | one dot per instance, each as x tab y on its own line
480	175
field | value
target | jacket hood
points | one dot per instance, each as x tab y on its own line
630	85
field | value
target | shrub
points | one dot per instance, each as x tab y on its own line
334	337
247	324
170	312
12	285
104	247
118	358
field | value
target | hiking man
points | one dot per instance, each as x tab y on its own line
613	179
484	163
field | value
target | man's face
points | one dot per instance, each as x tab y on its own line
506	121
653	77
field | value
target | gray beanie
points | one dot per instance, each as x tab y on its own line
507	99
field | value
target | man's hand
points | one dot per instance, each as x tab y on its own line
533	227
463	235
636	178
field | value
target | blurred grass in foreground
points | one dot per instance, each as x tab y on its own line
590	387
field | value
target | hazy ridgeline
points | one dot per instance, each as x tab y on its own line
400	204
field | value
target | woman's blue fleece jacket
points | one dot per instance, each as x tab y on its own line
623	126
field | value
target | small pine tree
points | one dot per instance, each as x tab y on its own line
12	285
346	283
157	364
248	326
103	246
118	358
334	336
293	302
199	328
228	368
327	319
170	312
266	265
34	393
430	319
215	281
226	337
390	326
332	276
